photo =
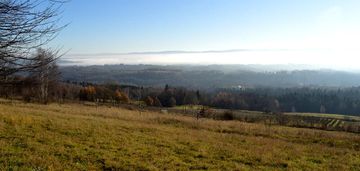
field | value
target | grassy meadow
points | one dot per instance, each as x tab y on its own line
79	137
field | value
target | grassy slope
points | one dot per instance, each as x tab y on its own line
76	137
333	116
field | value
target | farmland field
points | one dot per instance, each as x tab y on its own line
78	137
332	122
334	116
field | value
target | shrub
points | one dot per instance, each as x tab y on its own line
157	102
227	115
149	101
172	102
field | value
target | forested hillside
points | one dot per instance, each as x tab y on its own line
208	77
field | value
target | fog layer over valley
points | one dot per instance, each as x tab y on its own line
289	59
212	76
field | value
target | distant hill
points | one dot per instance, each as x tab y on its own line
211	76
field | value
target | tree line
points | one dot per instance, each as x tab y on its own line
44	85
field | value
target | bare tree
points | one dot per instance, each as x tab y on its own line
47	74
25	25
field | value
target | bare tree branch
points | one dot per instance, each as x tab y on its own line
26	25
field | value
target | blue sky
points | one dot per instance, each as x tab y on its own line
122	26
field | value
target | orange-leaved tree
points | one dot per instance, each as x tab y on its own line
121	97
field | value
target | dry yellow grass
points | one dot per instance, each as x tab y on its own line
77	137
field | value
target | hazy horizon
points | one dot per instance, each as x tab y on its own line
324	33
225	57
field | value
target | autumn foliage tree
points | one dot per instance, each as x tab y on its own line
121	97
149	101
88	93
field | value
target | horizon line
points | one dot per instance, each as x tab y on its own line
181	52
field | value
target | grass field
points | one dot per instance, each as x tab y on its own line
78	137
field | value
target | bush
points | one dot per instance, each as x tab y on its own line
172	102
227	115
205	112
149	101
157	102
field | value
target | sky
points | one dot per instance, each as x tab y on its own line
321	32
